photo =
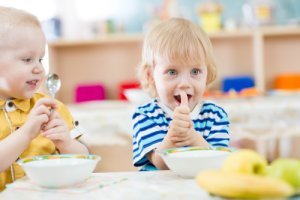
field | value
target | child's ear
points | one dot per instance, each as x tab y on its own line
151	82
150	76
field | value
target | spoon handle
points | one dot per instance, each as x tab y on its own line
52	95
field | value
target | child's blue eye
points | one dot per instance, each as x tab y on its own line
40	60
172	72
195	72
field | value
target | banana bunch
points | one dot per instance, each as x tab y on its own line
243	175
237	185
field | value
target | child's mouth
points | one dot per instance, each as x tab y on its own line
33	82
178	98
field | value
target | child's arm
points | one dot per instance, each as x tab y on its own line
181	133
13	145
219	133
176	134
155	158
57	130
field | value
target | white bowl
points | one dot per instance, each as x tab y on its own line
53	171
136	96
189	161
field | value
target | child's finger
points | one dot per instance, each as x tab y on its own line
54	133
54	115
52	124
182	143
46	102
182	113
175	139
184	99
182	123
41	110
54	136
180	130
43	118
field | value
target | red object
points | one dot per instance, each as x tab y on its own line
89	92
127	85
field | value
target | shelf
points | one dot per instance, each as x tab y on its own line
125	38
119	38
262	53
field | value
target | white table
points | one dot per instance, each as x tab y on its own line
120	185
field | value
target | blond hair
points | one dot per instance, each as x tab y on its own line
177	40
11	18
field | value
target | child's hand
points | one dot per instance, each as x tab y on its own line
38	116
190	138
182	132
181	123
57	131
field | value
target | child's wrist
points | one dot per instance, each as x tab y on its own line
64	147
25	132
200	141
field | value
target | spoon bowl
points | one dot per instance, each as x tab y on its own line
53	84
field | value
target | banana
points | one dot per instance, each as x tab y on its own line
237	185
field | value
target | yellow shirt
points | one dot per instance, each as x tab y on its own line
17	111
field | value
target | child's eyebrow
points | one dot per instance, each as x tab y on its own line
171	66
200	66
32	53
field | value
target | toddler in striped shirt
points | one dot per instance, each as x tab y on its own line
177	65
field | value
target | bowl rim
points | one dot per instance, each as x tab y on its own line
29	159
168	152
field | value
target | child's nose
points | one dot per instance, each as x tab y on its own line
38	69
184	82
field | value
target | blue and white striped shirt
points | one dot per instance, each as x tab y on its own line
151	122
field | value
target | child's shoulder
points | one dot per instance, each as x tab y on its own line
150	106
210	103
212	106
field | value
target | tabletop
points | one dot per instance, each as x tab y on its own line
114	185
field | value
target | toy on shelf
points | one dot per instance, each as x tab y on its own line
232	94
89	92
287	82
132	84
210	15
237	83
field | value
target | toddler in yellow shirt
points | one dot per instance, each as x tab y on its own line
27	127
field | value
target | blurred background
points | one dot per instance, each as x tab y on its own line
95	47
63	18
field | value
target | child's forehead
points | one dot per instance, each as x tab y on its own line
20	31
179	60
181	54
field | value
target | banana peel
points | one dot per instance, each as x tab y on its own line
237	185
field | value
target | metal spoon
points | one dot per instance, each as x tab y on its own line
53	84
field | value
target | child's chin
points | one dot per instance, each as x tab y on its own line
28	95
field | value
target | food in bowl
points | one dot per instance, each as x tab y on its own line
189	161
54	171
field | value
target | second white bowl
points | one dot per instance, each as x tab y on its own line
189	161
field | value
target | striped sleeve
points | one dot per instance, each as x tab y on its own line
147	134
217	131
